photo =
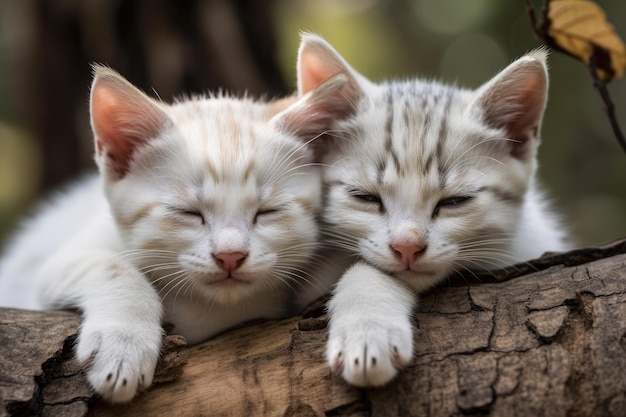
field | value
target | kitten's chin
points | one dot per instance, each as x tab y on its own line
228	282
227	291
419	280
222	289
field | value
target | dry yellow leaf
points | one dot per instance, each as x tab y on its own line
580	27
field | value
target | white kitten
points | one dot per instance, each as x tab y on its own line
204	215
426	179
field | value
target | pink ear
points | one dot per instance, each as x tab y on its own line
329	91
515	100
122	118
318	62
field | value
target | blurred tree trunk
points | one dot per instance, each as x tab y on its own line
547	343
173	47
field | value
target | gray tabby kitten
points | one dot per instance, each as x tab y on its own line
426	179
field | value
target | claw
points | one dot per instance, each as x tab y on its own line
397	360
338	364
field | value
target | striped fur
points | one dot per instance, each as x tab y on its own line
426	179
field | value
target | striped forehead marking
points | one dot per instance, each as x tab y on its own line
416	126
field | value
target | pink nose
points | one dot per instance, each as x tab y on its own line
407	253
229	261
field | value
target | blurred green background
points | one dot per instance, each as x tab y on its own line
250	45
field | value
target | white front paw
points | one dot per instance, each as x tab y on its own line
369	352
121	357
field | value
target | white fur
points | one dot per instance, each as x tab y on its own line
367	348
66	257
178	185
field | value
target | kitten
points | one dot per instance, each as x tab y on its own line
204	215
425	180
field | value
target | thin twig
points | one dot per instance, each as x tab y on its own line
541	31
531	14
608	103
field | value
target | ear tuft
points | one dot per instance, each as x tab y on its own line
122	118
515	99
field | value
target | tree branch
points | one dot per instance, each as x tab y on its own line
550	341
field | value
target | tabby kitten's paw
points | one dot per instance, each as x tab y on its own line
370	352
121	358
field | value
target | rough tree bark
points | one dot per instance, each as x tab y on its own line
545	343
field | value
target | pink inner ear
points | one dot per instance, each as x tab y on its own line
515	101
525	126
532	95
123	118
313	70
109	124
319	110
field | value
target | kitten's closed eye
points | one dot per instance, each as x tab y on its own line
266	212
450	202
453	201
190	214
367	197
